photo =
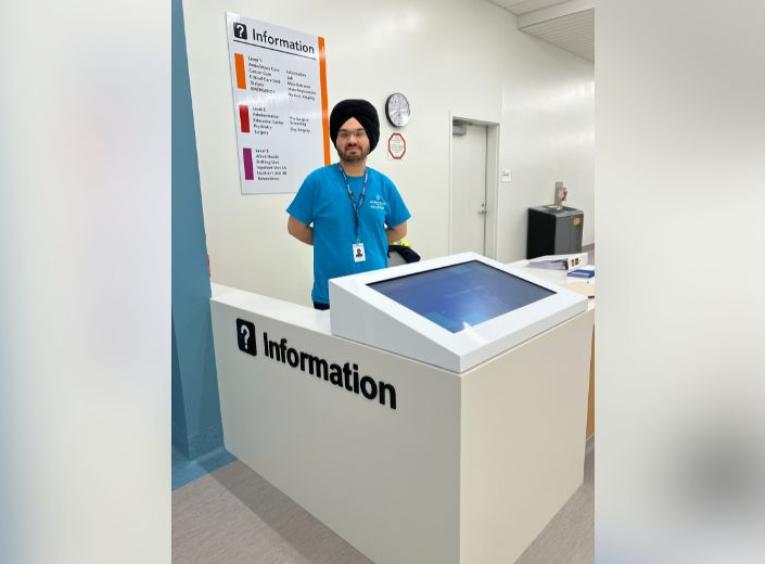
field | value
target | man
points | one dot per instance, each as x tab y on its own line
348	211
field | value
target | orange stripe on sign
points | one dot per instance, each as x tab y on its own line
239	61
324	110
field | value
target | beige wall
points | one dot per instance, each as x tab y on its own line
463	57
680	127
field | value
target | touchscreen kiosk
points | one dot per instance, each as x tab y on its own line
461	295
453	312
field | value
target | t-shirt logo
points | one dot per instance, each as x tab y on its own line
378	203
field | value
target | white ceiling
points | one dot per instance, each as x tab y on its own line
568	24
574	33
519	7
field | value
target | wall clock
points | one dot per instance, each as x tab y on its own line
397	110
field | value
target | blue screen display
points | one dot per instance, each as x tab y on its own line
461	295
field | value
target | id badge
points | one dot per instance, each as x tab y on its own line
358	253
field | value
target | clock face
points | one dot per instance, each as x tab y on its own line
397	109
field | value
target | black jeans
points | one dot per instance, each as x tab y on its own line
317	305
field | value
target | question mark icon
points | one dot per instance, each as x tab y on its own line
240	31
246	332
245	336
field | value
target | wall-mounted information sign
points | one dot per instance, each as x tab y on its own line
279	85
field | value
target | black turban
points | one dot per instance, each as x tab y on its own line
362	111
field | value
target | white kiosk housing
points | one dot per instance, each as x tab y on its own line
438	418
454	312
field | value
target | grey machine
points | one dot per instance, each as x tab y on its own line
554	230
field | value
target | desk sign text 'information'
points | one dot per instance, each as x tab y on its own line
344	376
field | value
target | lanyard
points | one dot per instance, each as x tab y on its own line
356	206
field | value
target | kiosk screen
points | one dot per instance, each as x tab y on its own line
461	295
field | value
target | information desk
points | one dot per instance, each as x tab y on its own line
408	461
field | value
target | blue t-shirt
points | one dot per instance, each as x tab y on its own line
323	200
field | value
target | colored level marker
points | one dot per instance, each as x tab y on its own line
324	98
244	118
247	156
239	64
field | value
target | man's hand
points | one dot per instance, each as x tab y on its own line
396	233
300	231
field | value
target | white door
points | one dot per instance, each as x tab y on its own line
468	206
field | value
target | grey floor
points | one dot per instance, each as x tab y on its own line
234	516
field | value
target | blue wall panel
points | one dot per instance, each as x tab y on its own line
197	427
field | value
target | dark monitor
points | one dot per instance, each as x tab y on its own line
461	295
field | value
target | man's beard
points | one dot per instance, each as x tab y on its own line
357	156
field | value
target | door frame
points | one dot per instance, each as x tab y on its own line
492	182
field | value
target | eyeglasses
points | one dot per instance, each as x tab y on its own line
347	134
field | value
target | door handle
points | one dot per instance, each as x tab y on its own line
483	210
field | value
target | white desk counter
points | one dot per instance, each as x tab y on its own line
409	462
559	277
